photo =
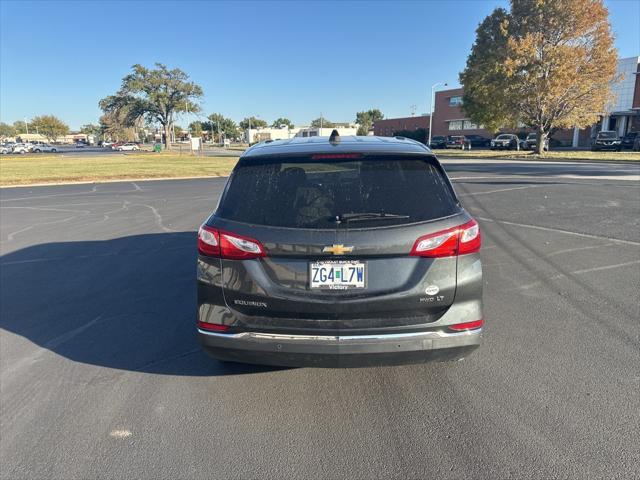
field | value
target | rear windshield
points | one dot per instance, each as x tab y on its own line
504	137
607	135
328	193
532	136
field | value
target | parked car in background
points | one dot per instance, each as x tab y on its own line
6	149
629	139
115	145
478	141
296	269
505	141
128	147
438	142
531	142
21	148
606	140
44	147
107	144
458	141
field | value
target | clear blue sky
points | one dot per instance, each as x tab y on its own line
290	59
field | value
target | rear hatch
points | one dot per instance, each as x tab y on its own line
337	233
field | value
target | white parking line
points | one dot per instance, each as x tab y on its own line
497	191
558	230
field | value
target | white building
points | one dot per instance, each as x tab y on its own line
343	130
269	133
283	133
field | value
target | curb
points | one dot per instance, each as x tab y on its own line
541	160
110	180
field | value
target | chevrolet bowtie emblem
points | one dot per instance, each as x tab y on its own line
337	249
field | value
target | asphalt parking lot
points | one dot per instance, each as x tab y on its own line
101	375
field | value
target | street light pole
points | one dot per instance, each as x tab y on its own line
433	87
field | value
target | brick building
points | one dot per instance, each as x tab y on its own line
623	115
388	126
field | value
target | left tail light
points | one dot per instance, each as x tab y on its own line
219	243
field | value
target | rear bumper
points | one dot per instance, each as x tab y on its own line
339	351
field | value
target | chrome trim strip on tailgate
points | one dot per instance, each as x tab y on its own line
338	338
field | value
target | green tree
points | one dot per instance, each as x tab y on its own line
322	122
196	128
365	120
114	126
157	94
547	64
90	129
7	130
49	126
20	127
282	121
220	124
255	123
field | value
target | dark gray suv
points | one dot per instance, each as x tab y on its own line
335	252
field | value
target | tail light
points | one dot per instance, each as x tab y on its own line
218	243
459	240
461	327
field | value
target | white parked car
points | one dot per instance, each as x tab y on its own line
128	147
5	149
44	147
21	148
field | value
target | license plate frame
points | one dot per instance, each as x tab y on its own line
334	264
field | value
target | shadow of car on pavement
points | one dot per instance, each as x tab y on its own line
128	303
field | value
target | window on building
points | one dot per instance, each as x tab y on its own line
468	125
455	101
455	124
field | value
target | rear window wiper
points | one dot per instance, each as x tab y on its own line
360	216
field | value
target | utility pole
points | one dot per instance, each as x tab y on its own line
431	108
26	125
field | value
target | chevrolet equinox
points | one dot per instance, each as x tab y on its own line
339	252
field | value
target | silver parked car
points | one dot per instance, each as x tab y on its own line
44	147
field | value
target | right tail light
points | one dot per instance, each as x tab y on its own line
459	240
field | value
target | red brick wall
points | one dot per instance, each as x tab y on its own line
444	112
386	127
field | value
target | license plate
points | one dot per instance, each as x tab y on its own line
337	275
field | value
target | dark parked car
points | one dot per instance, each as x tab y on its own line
505	141
477	141
628	139
606	140
339	253
531	142
458	141
438	142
